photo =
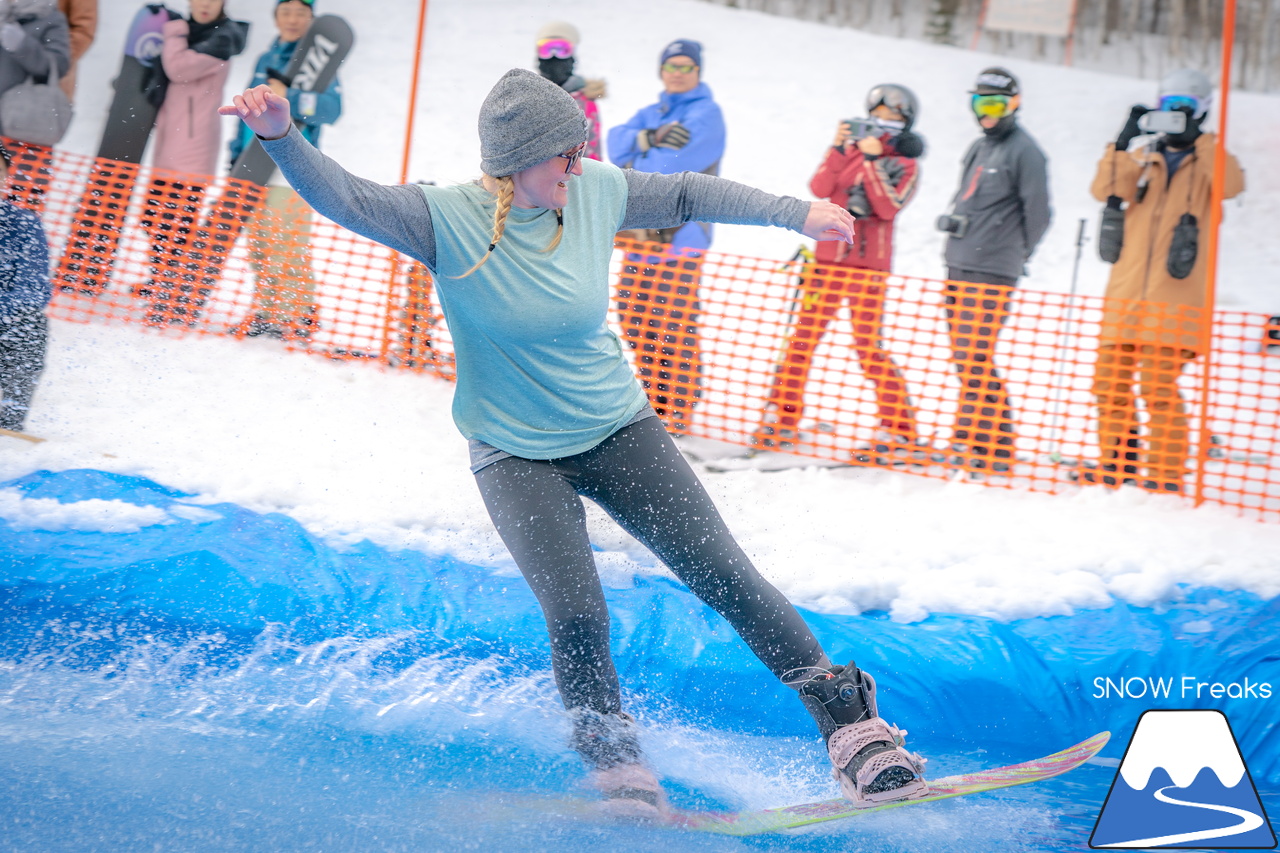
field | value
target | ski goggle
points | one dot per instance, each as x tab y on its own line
573	155
1170	103
558	48
888	96
994	106
678	67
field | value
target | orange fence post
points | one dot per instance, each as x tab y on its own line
1211	259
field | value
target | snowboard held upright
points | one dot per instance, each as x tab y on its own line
312	68
95	230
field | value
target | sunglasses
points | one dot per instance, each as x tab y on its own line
993	106
1179	102
682	68
558	48
573	155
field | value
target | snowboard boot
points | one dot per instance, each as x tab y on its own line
870	763
610	747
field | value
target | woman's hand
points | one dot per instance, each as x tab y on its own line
827	221
266	113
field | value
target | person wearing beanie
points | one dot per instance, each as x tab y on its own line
683	132
870	170
553	412
1163	179
998	215
188	84
556	46
284	300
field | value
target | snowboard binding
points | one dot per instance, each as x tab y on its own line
871	764
610	747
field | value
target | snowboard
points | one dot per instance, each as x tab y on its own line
776	820
312	67
95	231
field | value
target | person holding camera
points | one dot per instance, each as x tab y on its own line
871	171
1160	170
998	215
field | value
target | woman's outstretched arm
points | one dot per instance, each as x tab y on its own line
396	216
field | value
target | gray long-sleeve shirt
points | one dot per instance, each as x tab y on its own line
540	373
1004	192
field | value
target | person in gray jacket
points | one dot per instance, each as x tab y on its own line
998	215
34	42
554	412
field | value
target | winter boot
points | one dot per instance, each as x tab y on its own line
610	747
870	763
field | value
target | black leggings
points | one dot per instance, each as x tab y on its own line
639	477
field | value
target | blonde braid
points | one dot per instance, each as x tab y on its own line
505	189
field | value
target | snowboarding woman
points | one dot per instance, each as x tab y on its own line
553	411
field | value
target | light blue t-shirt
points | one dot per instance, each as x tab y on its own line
540	373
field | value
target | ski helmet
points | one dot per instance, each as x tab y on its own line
1190	83
898	98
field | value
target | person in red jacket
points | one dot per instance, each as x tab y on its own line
871	171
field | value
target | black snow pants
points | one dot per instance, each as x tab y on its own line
638	476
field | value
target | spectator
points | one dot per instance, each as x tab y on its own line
195	60
82	23
24	292
658	294
284	303
34	42
556	45
1156	313
873	175
998	215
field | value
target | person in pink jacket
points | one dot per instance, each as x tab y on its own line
194	63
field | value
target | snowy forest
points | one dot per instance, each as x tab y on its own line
1144	38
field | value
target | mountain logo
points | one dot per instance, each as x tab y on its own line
1183	782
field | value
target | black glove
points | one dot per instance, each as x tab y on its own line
277	74
1131	128
672	135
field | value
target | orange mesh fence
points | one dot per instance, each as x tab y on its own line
1022	389
1041	391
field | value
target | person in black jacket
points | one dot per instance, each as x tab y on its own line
998	215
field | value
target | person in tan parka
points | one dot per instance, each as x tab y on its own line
1155	319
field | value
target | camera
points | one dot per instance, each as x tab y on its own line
955	224
1163	121
861	128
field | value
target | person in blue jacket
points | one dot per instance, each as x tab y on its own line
24	292
658	294
284	300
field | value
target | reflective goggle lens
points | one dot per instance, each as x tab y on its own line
888	96
558	48
995	106
1177	102
681	68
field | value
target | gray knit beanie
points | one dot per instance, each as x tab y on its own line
527	119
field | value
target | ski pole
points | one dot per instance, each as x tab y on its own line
1054	438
